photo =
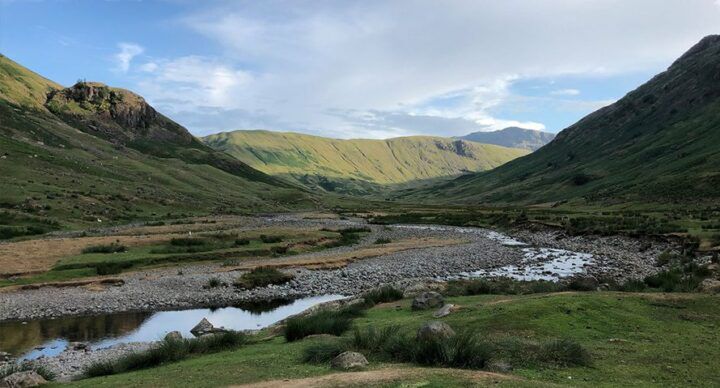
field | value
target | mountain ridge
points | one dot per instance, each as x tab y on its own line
513	137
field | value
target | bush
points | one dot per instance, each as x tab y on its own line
501	286
188	242
383	241
633	285
108	248
383	295
111	268
323	351
214	283
270	239
242	241
279	250
169	350
262	277
564	352
321	322
348	236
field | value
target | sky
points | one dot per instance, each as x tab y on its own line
360	69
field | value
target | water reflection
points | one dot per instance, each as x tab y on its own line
49	337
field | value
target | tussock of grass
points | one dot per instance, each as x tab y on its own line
46	373
383	295
501	286
169	350
334	322
262	277
383	241
108	248
270	239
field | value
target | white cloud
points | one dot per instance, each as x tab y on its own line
565	92
128	51
318	67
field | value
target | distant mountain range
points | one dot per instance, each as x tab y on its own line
660	143
92	153
359	166
512	137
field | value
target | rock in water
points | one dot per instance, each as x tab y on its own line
427	300
28	378
173	336
349	360
204	327
435	330
443	311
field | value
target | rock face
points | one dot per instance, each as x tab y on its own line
435	330
349	360
23	379
174	336
203	327
443	311
427	300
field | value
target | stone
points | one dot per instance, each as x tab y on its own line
443	311
23	379
78	345
435	330
173	336
709	286
203	327
427	300
349	360
499	366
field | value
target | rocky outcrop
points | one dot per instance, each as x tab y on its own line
427	300
349	360
202	328
23	379
434	330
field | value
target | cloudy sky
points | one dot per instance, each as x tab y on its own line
370	69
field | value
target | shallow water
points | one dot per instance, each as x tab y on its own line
541	264
50	337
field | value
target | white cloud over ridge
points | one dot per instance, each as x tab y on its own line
377	68
127	52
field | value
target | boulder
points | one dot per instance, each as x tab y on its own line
4	356
28	378
709	286
78	346
584	283
434	330
427	300
349	360
173	336
443	311
203	327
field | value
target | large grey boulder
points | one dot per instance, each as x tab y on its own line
709	286
23	379
349	360
203	327
173	336
434	330
427	300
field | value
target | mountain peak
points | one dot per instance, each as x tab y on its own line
514	137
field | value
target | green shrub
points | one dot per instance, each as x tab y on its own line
169	350
633	285
323	351
383	241
383	295
262	277
108	248
501	286
279	250
188	242
111	268
348	236
321	322
214	283
270	239
242	241
564	352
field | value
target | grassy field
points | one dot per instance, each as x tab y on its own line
634	340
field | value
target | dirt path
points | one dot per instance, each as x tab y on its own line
382	376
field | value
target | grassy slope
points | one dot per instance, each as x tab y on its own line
392	161
53	170
658	143
635	340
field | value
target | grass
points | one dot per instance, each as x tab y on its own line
270	239
348	236
262	277
383	241
383	294
7	370
169	350
633	339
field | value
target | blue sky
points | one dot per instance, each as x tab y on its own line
370	69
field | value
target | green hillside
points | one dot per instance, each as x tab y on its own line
657	144
91	154
359	166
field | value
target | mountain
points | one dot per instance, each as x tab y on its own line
512	137
89	153
659	144
359	166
